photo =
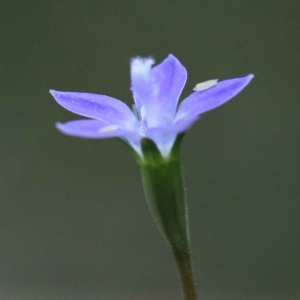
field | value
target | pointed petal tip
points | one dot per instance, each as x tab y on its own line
54	93
172	57
248	78
59	126
173	60
58	96
51	91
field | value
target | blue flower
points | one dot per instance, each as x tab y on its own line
156	114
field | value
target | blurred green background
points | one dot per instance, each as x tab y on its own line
74	223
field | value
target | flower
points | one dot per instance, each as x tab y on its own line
156	114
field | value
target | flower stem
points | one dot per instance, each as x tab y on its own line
187	280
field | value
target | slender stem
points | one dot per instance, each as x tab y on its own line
185	270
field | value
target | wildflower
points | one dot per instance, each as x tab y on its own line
153	129
156	114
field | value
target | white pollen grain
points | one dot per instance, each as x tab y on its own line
108	129
205	85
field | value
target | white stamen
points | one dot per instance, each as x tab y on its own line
143	112
108	129
205	85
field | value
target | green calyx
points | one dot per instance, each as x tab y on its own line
165	193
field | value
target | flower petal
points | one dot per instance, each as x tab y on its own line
163	140
89	129
156	91
95	106
96	129
202	101
141	80
142	88
169	79
165	136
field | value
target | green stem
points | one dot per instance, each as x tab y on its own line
165	194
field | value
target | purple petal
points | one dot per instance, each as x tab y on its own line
95	106
141	81
90	129
165	136
99	130
169	80
202	101
163	140
156	91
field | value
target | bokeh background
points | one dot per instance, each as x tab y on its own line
74	223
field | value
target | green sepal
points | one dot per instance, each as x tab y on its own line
165	193
151	154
